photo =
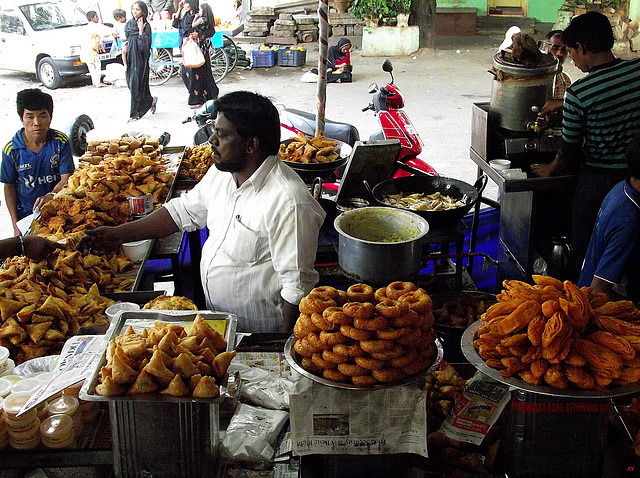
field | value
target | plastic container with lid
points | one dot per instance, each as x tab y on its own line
89	411
42	410
4	356
11	365
57	431
19	426
26	434
29	385
29	445
5	387
14	403
73	390
66	404
13	378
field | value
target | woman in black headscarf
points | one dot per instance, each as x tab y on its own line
198	25
138	33
339	62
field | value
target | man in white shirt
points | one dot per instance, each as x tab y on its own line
258	260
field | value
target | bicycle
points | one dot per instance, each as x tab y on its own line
162	65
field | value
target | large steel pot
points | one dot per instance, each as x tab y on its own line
516	89
379	245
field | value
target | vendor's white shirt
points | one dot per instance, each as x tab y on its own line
262	243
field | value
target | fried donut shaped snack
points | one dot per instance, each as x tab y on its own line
374	337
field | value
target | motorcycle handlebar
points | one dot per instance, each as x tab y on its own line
187	120
368	107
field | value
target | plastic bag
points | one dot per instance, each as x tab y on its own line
252	433
192	56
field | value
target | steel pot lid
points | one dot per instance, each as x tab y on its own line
547	65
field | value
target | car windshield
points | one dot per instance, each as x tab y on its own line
49	15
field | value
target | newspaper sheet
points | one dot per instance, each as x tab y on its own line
329	420
476	410
78	359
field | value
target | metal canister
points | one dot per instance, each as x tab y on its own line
141	205
516	89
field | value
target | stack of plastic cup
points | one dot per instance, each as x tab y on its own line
5	387
24	431
68	405
57	431
88	410
4	435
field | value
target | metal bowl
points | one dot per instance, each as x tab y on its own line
312	170
292	359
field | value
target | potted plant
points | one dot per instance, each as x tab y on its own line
403	9
370	10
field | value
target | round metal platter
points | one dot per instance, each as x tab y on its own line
343	149
472	356
290	356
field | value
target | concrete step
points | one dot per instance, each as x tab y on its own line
498	24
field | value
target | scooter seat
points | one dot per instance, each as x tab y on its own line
306	122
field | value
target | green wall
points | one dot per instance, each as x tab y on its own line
541	10
544	10
481	5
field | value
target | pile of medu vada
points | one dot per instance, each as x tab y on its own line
366	337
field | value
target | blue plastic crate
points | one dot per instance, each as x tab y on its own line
263	58
291	57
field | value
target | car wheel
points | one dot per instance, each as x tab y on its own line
77	131
48	73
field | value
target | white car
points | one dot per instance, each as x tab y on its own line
43	37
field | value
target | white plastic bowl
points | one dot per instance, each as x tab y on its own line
135	251
500	164
116	309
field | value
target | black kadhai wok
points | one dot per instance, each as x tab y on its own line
454	188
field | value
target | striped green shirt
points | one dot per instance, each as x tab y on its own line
602	113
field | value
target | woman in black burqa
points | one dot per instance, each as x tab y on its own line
138	33
338	62
198	24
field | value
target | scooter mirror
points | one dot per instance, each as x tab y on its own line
373	87
387	66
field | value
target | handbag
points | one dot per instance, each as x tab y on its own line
192	56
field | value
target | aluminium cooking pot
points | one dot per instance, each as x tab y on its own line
379	245
456	189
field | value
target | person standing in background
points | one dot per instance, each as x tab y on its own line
37	162
162	6
92	47
553	44
120	16
138	33
202	87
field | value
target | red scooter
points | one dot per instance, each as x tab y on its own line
387	103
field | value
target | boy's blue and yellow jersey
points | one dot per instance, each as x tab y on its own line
35	174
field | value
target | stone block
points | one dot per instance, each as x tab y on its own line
357	30
307	36
307	27
339	30
348	30
309	20
263	11
285	16
390	41
286	22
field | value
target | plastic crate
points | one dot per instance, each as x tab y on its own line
291	57
263	58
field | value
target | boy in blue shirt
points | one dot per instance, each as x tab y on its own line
37	162
612	264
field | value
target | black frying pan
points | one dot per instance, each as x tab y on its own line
458	190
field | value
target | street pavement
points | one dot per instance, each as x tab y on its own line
439	85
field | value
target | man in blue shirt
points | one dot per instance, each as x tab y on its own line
37	162
612	264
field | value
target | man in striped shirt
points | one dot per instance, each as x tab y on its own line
601	114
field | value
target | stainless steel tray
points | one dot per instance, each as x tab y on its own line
143	319
472	356
290	357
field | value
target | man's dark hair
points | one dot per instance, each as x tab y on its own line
253	115
91	14
33	99
633	156
592	30
552	33
119	13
